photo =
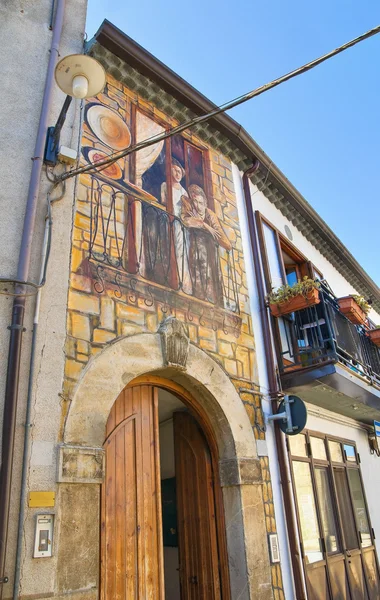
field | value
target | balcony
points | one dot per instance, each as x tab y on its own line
141	252
329	361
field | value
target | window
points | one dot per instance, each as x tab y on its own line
336	451
359	506
316	273
307	512
332	514
328	517
284	263
167	169
179	236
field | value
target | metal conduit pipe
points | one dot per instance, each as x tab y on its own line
17	325
28	423
274	392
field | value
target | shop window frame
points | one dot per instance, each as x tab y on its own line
346	465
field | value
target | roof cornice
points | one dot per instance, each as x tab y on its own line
277	187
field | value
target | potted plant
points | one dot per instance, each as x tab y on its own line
355	308
374	335
288	299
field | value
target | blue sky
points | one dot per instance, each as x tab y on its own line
322	129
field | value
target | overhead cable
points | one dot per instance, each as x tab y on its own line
219	109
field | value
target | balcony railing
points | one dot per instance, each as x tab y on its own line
320	334
140	238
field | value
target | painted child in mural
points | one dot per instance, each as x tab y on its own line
180	235
206	233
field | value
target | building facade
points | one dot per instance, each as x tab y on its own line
27	32
329	362
153	467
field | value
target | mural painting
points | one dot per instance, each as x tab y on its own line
155	233
172	235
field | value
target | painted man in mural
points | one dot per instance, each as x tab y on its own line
206	234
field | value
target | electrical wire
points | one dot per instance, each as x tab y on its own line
37	286
220	109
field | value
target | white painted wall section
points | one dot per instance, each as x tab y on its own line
269	448
339	285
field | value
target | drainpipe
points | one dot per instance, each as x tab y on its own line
28	422
17	325
274	392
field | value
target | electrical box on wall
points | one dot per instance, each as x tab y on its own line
374	439
274	548
43	539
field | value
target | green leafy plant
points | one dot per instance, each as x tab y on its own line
360	301
286	292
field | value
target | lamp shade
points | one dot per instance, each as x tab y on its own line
76	66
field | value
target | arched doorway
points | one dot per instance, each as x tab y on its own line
105	377
162	521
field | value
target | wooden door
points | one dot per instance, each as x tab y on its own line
131	528
198	542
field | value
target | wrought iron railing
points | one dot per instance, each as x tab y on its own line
321	333
141	238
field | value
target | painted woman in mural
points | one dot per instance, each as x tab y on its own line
178	173
206	234
180	235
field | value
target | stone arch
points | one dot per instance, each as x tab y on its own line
109	372
105	376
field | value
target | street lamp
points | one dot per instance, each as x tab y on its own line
79	76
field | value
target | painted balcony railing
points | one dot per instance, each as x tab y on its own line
321	333
140	238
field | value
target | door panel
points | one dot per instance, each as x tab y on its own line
370	567
132	550
198	546
317	586
356	577
338	580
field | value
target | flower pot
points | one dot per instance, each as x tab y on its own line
299	302
374	336
351	309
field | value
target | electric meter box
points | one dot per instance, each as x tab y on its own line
43	540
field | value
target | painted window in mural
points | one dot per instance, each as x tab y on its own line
153	213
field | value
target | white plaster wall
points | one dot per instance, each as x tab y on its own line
329	423
269	446
338	283
25	40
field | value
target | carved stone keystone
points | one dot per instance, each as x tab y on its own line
175	342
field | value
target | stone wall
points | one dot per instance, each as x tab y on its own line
107	303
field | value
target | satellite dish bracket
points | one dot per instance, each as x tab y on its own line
285	416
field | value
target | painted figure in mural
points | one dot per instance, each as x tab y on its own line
178	173
206	234
180	235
